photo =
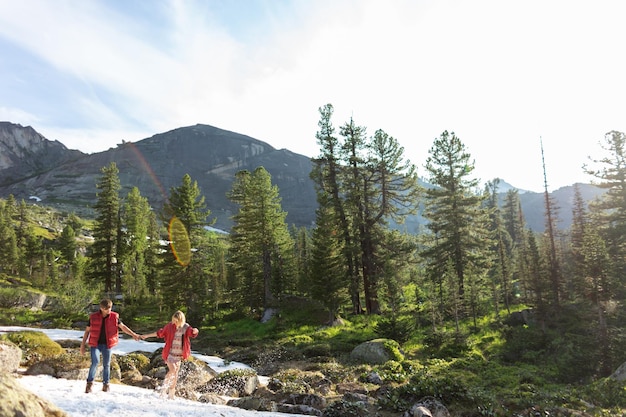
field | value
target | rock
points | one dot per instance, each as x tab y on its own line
428	407
620	373
268	314
17	401
355	397
232	385
194	374
323	386
10	357
353	387
377	352
252	403
132	377
58	369
418	411
275	384
312	400
78	374
41	368
298	409
374	378
520	318
212	398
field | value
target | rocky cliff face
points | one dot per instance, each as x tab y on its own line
24	152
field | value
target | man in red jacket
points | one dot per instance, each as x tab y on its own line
102	335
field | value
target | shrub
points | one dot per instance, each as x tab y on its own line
344	408
315	350
394	328
607	392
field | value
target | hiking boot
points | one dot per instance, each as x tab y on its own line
105	387
88	387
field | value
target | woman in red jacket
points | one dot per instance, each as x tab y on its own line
177	348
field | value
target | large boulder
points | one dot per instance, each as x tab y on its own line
17	401
10	357
377	351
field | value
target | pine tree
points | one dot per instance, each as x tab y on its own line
578	229
553	252
106	228
501	247
610	209
457	220
153	257
328	279
329	176
261	246
135	220
184	276
514	224
68	249
388	192
8	240
302	253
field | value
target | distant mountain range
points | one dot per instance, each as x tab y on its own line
36	169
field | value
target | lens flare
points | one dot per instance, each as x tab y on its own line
179	241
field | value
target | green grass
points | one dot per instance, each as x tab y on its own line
486	368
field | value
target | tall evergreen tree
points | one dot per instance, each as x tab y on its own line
153	257
389	192
303	255
328	280
329	174
501	247
106	228
184	273
610	210
9	252
457	220
261	246
513	218
135	221
578	229
68	250
553	252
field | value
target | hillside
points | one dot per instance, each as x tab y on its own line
33	166
211	156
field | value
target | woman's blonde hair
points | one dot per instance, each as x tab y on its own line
178	318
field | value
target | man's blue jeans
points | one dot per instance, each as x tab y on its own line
95	360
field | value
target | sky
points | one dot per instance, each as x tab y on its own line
505	76
125	400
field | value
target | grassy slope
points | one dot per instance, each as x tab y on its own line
490	369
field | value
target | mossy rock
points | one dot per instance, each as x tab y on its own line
377	351
36	346
134	361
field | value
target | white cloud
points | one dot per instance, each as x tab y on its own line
499	74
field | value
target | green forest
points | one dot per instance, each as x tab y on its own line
491	316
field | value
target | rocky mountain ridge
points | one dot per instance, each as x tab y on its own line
33	167
211	156
24	152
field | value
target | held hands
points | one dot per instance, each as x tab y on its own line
194	331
